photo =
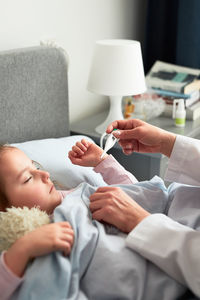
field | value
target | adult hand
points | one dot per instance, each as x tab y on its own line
139	136
114	206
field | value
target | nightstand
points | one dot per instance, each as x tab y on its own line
143	165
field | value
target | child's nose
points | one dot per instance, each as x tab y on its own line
44	175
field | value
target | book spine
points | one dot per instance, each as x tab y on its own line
188	102
171	94
172	78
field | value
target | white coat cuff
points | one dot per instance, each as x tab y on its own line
138	238
184	156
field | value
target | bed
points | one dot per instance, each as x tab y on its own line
34	112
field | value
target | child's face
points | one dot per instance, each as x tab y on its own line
25	185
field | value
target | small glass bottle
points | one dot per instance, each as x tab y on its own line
179	112
128	109
138	108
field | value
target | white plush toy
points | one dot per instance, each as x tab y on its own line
16	222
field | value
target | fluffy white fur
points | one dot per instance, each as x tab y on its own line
16	222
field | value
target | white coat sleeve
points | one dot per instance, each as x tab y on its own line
171	246
184	163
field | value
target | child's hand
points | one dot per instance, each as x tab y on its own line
86	154
43	240
51	237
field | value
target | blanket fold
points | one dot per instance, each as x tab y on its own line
100	265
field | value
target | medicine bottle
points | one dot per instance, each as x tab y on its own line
179	112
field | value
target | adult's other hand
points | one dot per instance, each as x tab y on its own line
114	206
138	136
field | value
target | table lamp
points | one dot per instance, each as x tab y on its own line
116	71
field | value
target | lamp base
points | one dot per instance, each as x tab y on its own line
115	113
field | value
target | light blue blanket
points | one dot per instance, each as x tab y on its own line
100	265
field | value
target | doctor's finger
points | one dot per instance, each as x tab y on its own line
129	134
102	195
98	215
122	125
127	144
96	205
124	143
103	214
112	126
97	197
104	189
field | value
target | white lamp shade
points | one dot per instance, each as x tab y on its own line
117	68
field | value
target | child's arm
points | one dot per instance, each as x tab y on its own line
43	240
8	280
88	154
114	173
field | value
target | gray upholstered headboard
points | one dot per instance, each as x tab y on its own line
33	94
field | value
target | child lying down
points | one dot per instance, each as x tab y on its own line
77	257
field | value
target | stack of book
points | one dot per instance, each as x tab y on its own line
176	82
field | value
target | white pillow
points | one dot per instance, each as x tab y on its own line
52	154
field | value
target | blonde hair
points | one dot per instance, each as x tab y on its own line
3	199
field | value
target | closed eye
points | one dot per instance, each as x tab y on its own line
37	165
28	179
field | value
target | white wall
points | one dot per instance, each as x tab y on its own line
75	25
